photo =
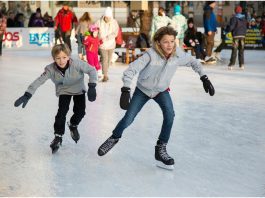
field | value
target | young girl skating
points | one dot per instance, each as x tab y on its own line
92	43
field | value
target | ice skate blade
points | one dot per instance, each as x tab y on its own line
163	166
55	150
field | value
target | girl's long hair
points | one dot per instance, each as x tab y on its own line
85	17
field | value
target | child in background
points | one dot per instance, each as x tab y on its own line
92	43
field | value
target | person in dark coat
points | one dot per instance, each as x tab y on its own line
193	39
238	28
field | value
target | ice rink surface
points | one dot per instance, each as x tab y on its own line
218	142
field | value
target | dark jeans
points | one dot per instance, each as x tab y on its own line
66	38
238	43
199	51
81	46
78	109
138	100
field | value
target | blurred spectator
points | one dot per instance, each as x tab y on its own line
179	24
48	21
19	20
64	22
238	28
11	19
80	31
194	39
159	21
33	16
108	31
210	27
258	22
252	24
38	20
2	30
3	9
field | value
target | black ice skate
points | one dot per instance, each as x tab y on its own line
164	160
56	143
74	132
107	145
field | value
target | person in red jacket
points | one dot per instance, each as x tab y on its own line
64	21
2	30
92	43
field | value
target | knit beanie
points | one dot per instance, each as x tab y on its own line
177	9
238	9
108	12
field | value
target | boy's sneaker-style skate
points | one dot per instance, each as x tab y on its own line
107	145
164	160
74	132
56	143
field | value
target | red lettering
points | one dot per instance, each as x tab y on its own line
11	36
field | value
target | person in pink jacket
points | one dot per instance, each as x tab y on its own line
92	43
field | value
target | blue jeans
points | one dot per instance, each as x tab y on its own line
138	100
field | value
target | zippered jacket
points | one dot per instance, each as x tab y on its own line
69	83
156	71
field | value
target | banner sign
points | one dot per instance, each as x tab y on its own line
28	38
253	39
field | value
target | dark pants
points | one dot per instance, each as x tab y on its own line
78	109
209	43
66	38
238	44
138	100
80	45
199	51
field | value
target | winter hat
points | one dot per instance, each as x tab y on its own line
93	28
209	2
238	9
177	9
108	12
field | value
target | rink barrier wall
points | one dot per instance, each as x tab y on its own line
28	38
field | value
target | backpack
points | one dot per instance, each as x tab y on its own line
142	41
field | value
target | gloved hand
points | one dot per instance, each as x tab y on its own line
23	99
91	93
125	98
207	85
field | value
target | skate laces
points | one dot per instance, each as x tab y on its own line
108	144
163	152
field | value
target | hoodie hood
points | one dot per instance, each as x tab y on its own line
240	16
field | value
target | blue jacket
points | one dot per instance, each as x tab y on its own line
238	25
209	20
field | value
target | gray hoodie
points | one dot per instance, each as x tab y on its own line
156	72
70	83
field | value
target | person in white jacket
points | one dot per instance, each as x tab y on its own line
108	31
179	24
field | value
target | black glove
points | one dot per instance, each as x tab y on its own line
207	85
91	93
23	99
125	98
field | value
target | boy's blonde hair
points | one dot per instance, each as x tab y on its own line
60	48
